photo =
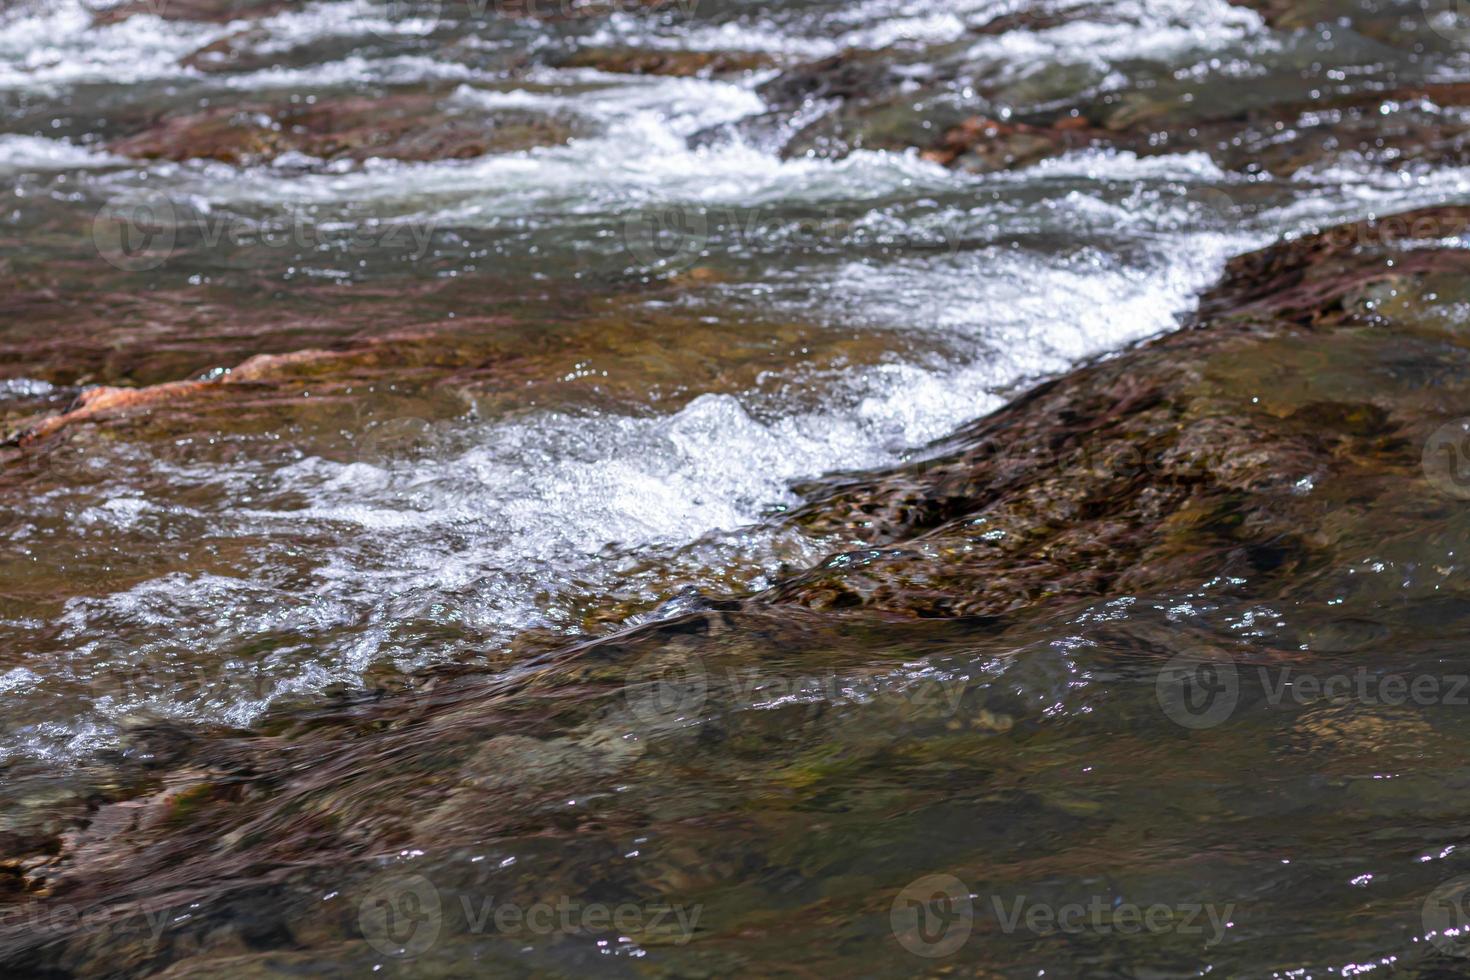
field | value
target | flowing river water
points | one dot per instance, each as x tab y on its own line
592	364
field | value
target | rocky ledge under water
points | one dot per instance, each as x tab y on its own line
1426	124
408	126
1274	440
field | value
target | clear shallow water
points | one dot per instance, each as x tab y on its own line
633	414
924	296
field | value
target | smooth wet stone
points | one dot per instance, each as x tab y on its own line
1148	468
608	355
676	64
230	53
203	11
839	76
398	127
1422	125
983	145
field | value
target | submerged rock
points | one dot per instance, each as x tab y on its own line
225	11
173	365
1206	452
1273	444
233	52
202	11
677	64
982	145
951	103
413	127
1427	124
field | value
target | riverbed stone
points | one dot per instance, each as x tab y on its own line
1274	442
410	127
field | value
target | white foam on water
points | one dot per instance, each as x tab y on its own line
871	26
1354	189
349	18
52	45
1101	33
22	154
539	511
355	69
623	29
1109	164
643	152
522	521
1124	30
17	677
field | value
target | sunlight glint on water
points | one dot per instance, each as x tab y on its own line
526	519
